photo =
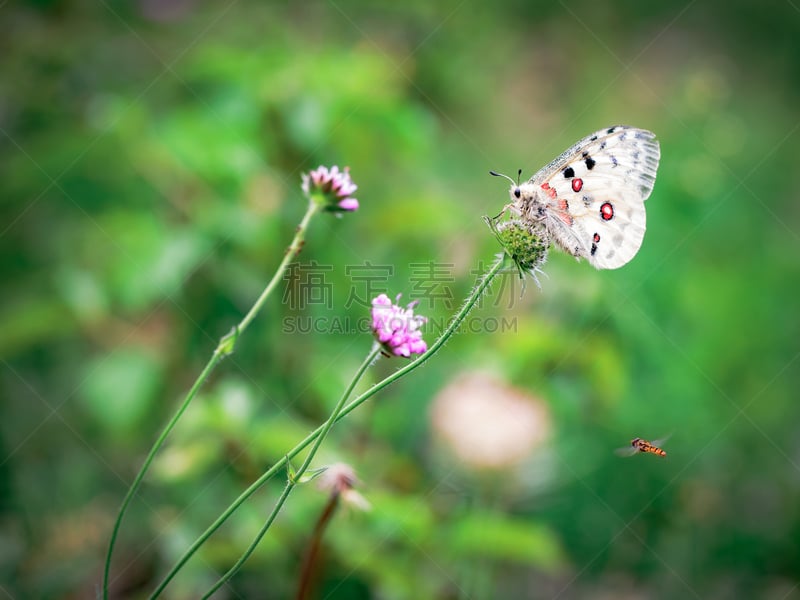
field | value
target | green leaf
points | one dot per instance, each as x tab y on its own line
228	342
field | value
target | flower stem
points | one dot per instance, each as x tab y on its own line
292	251
295	478
223	349
470	302
310	560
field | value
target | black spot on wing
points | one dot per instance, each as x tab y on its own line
568	172
589	162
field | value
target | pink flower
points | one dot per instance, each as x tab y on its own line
396	328
331	188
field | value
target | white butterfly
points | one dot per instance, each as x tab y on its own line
591	199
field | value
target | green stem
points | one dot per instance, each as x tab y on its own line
281	464
224	348
296	477
215	359
292	251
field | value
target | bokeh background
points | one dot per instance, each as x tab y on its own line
150	156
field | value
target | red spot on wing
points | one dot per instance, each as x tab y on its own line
577	184
607	211
550	191
565	218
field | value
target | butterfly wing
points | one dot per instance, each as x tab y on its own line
595	193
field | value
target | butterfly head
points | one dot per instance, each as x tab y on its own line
516	192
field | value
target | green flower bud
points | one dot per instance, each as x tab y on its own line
525	244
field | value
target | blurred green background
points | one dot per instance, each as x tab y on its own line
150	155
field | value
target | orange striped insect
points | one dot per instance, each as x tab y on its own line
639	445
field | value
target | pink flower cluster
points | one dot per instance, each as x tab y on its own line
397	328
333	188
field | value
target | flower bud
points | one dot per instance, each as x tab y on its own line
524	243
331	189
339	480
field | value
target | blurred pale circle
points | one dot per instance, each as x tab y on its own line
487	423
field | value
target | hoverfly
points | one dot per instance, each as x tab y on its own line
639	445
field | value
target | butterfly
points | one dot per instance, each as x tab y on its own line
639	445
590	200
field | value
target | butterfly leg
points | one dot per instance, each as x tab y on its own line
502	212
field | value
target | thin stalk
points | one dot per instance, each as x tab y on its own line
292	251
215	359
310	560
470	302
224	348
295	478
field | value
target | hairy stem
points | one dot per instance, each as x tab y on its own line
224	348
469	303
295	478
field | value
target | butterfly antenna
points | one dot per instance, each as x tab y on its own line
519	174
496	174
